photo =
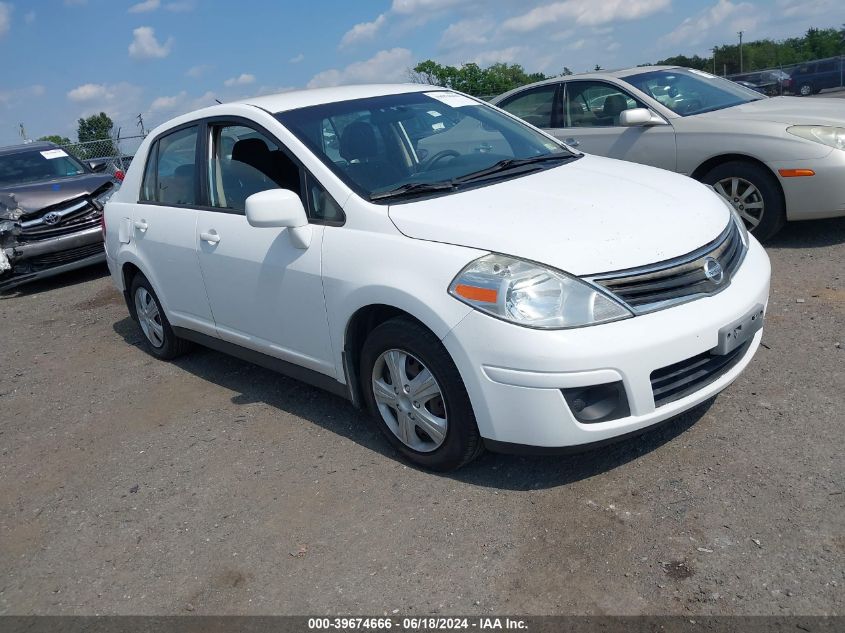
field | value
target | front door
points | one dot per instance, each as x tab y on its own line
265	293
590	123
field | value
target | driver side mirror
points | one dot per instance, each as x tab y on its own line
280	208
635	116
97	166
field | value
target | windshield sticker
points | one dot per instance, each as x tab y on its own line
50	154
452	99
438	126
434	113
701	73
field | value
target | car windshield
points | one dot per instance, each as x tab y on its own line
686	91
420	143
35	165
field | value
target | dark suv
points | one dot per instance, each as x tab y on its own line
51	207
812	77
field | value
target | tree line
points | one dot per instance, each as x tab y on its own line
97	127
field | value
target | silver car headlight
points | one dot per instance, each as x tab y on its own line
824	134
532	295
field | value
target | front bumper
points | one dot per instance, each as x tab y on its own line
814	197
44	258
514	375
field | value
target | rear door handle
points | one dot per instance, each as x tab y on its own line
210	236
142	225
572	142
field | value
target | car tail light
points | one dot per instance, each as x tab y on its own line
119	175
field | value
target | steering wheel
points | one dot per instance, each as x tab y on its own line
446	153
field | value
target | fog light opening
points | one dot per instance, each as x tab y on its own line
598	403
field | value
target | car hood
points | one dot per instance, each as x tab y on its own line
592	215
787	110
34	196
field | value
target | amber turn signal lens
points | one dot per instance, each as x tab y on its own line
796	173
473	293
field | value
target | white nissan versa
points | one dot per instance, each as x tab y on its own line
469	279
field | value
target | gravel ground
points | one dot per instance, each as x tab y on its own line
131	486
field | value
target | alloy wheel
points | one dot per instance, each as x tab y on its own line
410	401
149	317
743	196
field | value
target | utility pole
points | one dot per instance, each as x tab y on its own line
714	60
141	124
740	50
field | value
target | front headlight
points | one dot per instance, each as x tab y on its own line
824	134
532	295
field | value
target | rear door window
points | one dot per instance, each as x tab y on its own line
170	176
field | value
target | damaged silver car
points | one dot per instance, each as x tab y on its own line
51	208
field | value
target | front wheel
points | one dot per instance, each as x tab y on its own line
753	192
414	391
806	89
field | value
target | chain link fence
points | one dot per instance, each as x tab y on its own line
805	79
117	153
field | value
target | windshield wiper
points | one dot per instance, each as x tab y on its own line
413	188
511	163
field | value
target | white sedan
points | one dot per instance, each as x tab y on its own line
773	159
464	276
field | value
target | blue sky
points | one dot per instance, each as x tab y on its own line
62	59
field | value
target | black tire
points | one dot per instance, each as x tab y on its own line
463	442
172	346
806	89
774	211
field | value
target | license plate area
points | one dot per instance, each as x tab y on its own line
738	332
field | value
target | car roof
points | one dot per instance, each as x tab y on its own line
317	96
27	147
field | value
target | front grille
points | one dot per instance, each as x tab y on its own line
65	257
681	379
73	216
680	279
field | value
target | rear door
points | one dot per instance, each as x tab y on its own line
590	122
164	228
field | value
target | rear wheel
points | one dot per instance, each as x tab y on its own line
806	89
415	393
753	192
159	339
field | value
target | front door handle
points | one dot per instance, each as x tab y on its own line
210	236
142	225
572	142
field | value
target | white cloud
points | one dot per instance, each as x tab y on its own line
505	55
145	45
87	92
472	31
241	80
695	29
583	12
168	103
16	95
296	58
29	17
407	7
363	31
145	6
5	18
198	71
804	8
388	66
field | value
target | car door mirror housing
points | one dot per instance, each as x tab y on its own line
280	208
635	116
